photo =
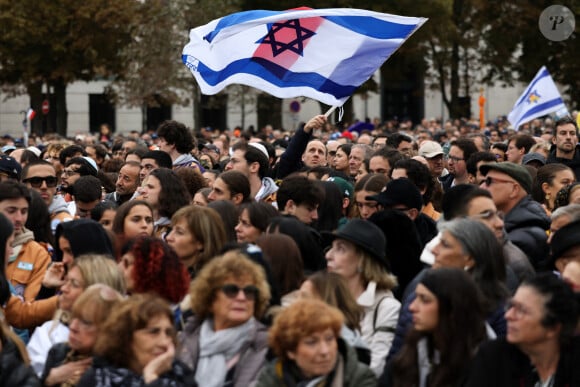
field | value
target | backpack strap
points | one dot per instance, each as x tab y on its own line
375	315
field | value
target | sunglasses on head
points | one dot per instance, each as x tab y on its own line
231	291
36	182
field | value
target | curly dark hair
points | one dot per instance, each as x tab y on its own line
174	193
192	178
176	133
157	269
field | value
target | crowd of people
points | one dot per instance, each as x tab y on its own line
429	255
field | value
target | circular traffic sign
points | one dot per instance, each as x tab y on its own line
45	106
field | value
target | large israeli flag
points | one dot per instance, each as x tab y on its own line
324	54
541	97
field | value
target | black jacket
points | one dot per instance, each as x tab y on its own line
291	159
103	374
573	163
55	358
526	226
13	372
500	364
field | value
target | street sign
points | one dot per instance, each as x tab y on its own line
45	107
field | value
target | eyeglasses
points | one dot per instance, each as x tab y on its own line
332	153
70	172
492	180
36	182
488	215
519	311
231	291
454	159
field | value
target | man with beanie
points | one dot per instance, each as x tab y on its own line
525	220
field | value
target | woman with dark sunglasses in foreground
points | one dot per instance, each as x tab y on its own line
225	344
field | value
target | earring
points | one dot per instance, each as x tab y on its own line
548	196
466	268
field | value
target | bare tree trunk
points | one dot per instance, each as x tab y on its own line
35	94
144	117
61	110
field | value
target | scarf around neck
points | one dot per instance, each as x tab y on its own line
216	349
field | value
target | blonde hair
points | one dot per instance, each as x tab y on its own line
100	269
96	303
371	270
95	269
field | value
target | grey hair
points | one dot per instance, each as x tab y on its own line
368	150
480	243
571	210
473	236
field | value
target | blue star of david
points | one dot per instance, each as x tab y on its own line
296	45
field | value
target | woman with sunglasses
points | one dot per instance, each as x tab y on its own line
540	348
225	344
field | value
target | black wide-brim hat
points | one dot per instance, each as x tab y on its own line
365	235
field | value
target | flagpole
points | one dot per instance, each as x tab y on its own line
330	111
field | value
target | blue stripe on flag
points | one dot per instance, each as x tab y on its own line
276	75
237	18
364	25
543	106
373	27
544	73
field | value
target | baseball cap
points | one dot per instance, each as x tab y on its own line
430	149
534	156
10	166
211	147
345	187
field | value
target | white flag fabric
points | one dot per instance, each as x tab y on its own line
541	97
324	54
